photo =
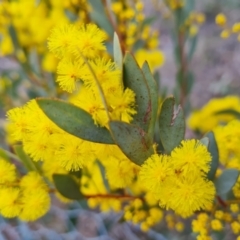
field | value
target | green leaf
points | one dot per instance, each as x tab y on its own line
67	186
132	140
172	128
117	51
98	15
25	159
103	174
226	181
4	154
74	120
232	112
134	79
153	89
213	149
205	141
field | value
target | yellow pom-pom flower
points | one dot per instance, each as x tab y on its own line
191	157
189	194
61	42
69	72
35	204
32	181
7	172
155	171
10	206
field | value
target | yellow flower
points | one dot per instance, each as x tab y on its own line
7	172
89	41
216	225
189	194
105	71
155	58
61	42
32	181
155	171
69	72
120	171
74	152
10	206
122	104
221	19
191	157
35	204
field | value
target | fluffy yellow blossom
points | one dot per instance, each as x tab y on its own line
32	181
35	204
155	171
120	171
69	72
10	206
89	41
7	172
62	40
191	157
195	192
105	71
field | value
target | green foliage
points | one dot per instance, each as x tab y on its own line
172	128
133	141
226	181
25	159
213	149
117	51
74	120
134	79
153	90
67	186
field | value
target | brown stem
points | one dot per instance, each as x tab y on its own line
222	203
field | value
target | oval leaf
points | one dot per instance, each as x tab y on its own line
205	141
67	186
172	128
117	51
134	79
153	89
226	181
213	149
133	141
74	120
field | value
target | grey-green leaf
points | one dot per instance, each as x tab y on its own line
132	140
226	181
67	186
205	141
213	149
172	128
98	15
25	159
74	120
153	89
134	79
117	51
